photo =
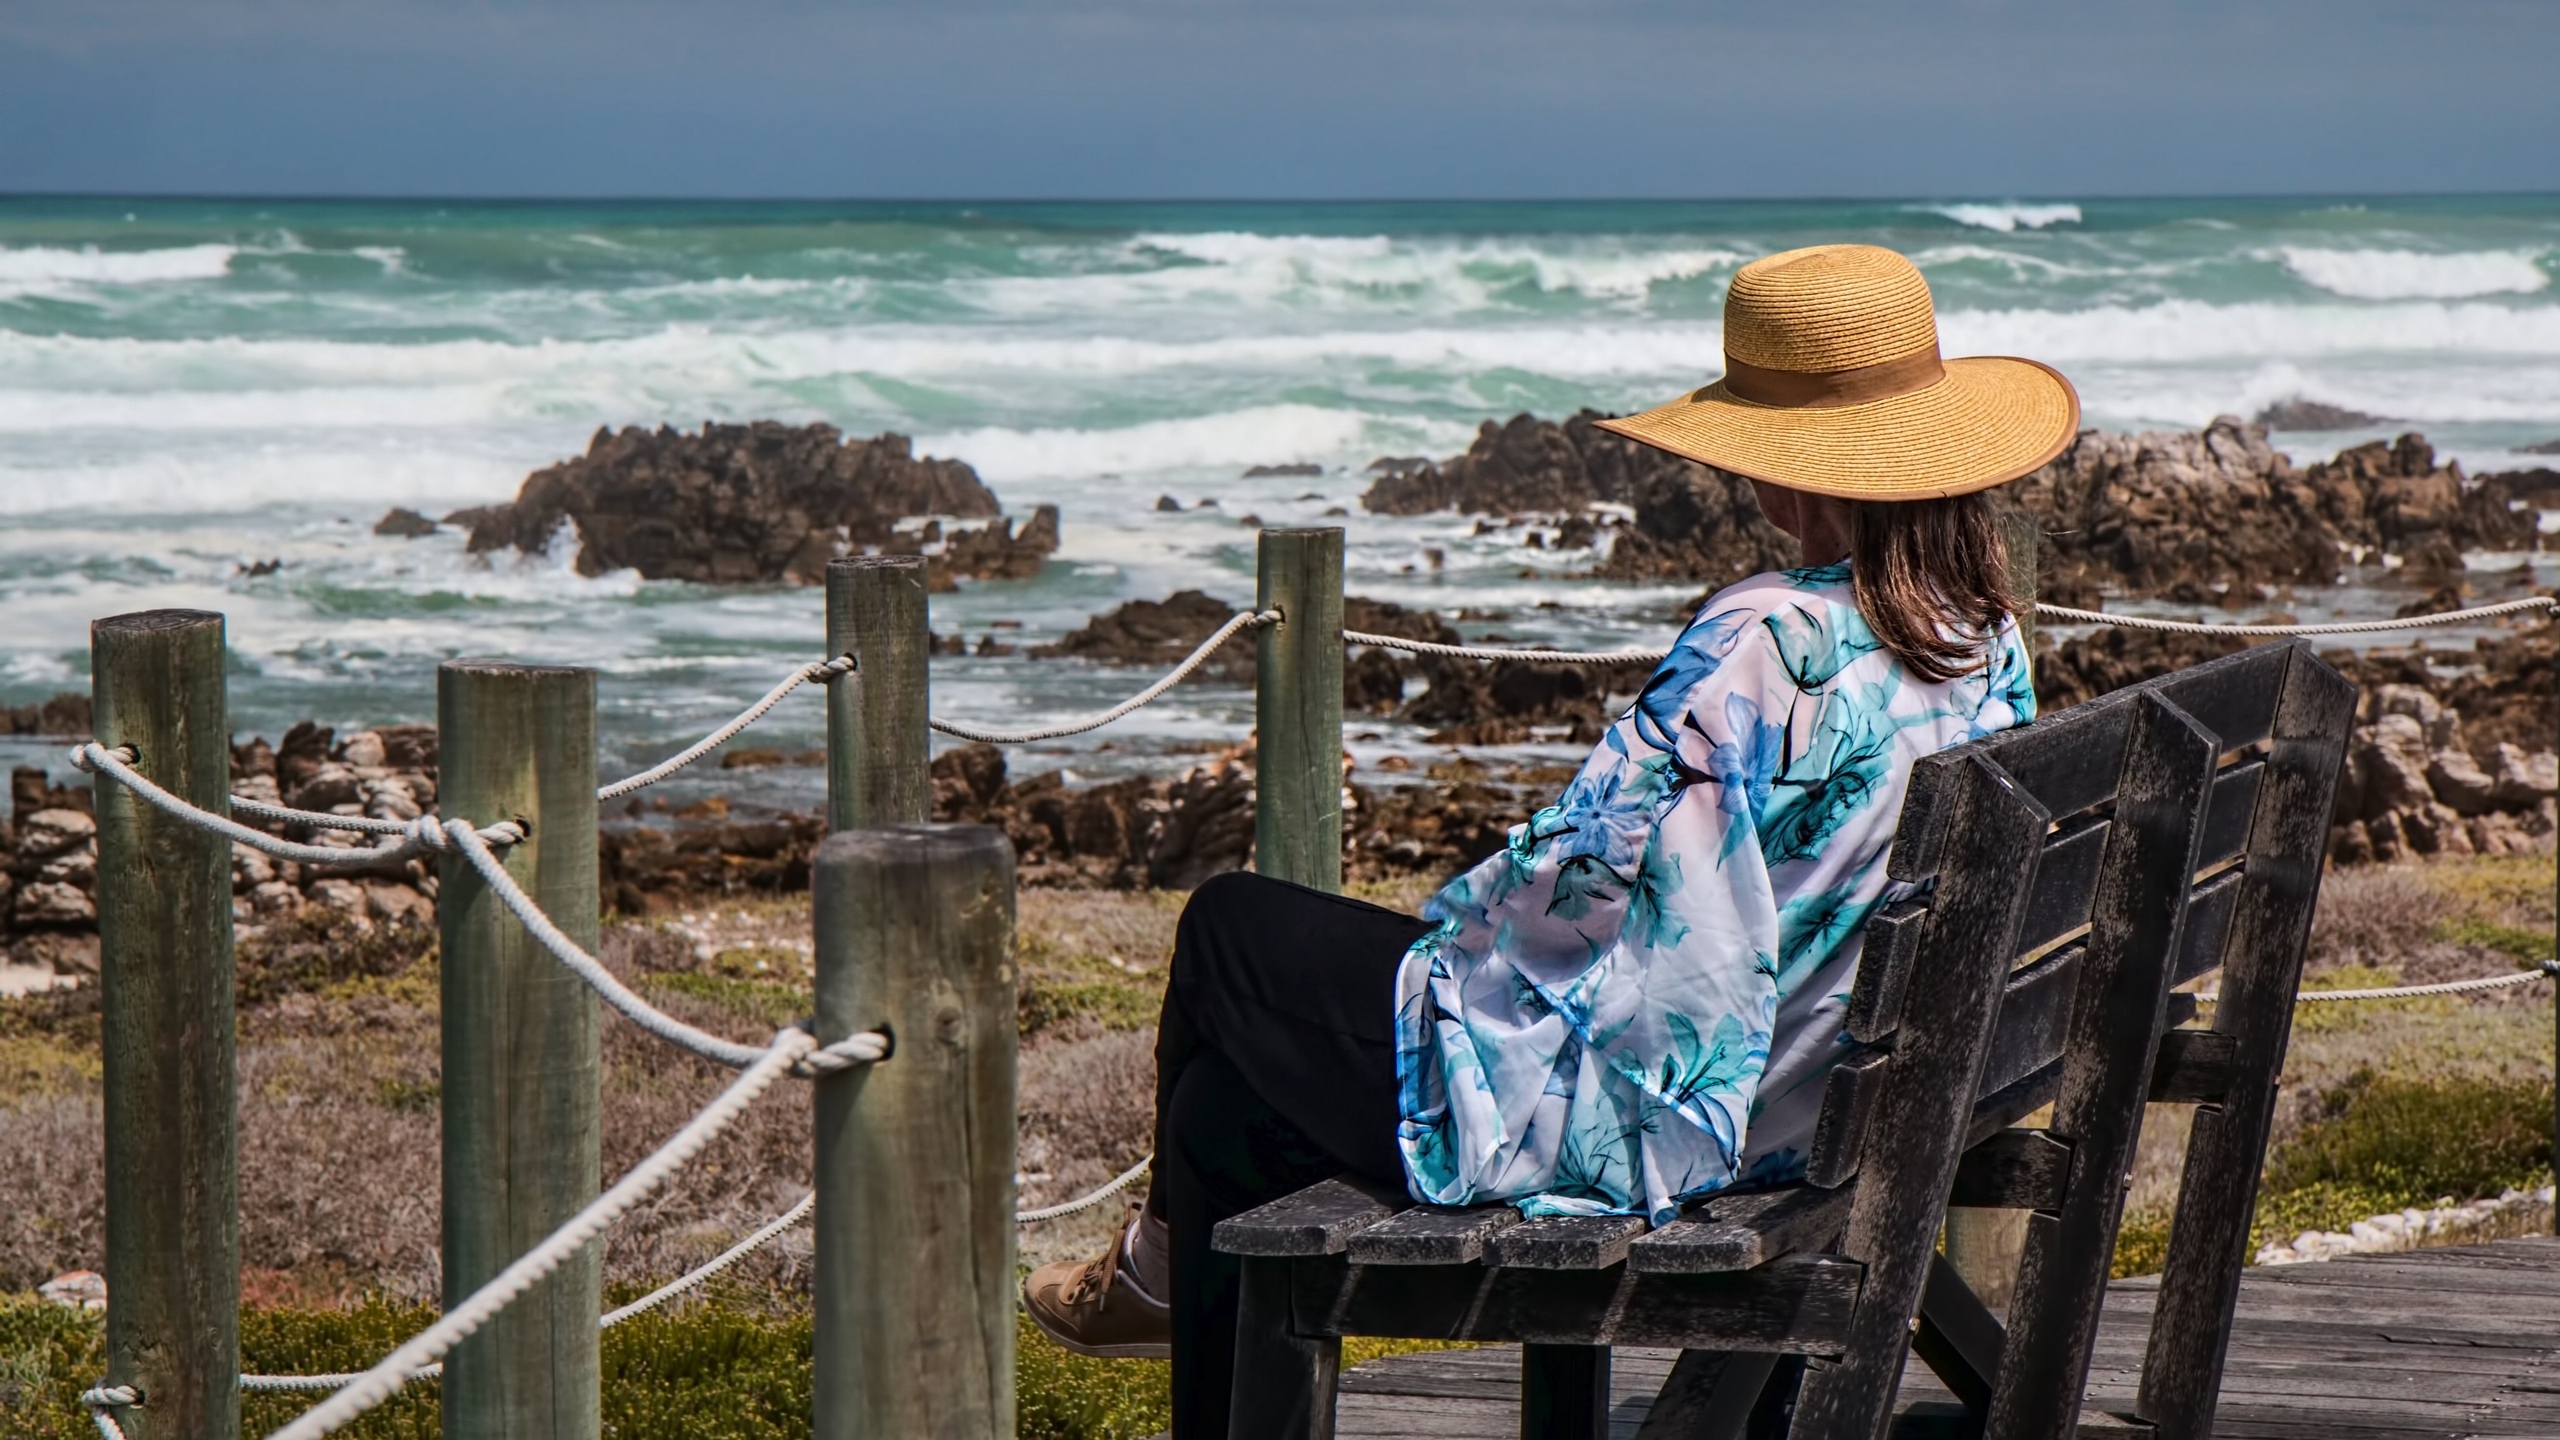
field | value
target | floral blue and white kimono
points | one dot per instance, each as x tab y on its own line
1637	1002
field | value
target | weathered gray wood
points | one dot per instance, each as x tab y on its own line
1958	1337
1798	1303
1741	1231
1564	1392
878	752
2071	768
2022	539
2193	1067
1297	818
2208	925
520	1066
164	933
914	1273
2340	1369
1285	1375
2013	1170
2110	1044
1432	1235
1849	1096
1319	1220
2066	881
1884	970
2226	825
1565	1242
1995	832
1708	1396
2035	1008
2262	967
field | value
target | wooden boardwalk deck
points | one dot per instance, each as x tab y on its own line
2427	1345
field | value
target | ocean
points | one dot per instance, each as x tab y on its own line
191	387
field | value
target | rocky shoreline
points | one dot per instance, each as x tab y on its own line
2453	752
2215	516
2452	756
755	504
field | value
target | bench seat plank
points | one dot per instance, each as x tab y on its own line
1319	1220
1565	1242
1741	1231
1432	1235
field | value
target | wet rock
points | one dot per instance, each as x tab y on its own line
2301	414
53	903
1692	522
47	833
2219	507
404	524
757	503
65	715
1259	472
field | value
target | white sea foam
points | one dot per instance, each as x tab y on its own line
2008	216
41	269
1267	434
2413	275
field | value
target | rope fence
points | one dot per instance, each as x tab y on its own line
795	1051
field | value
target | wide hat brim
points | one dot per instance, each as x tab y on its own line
1988	421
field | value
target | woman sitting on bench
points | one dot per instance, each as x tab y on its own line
1636	1003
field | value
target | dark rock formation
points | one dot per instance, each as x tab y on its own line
65	715
2299	413
2141	514
1692	522
736	504
1156	634
404	524
1260	472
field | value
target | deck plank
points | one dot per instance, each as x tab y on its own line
2423	1345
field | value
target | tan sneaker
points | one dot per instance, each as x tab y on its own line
1096	1308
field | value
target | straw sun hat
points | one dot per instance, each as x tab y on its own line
1833	384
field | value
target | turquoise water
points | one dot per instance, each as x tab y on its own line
189	386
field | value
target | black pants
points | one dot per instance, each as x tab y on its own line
1275	1068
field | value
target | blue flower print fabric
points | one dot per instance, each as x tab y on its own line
1637	1001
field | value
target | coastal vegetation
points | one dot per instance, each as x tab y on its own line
2388	1104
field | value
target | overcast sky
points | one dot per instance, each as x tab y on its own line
1278	98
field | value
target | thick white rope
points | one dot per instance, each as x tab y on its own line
1085	1201
2071	616
286	815
436	1341
103	1401
420	836
814	670
762	1236
2405	992
861	1049
1487	652
1243	620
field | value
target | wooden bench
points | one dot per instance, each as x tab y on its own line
2071	874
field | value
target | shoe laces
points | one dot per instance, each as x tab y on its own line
1093	1282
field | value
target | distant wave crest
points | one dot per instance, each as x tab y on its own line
2414	275
2010	215
40	269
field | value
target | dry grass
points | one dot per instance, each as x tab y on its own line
338	1120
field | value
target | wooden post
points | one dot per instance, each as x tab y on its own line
914	1173
520	1063
877	746
1297	819
164	931
1986	1246
2022	535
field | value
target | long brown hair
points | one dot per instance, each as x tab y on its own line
1933	580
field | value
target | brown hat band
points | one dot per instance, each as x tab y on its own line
1800	390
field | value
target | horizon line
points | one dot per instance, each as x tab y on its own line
528	198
